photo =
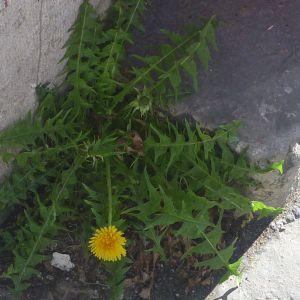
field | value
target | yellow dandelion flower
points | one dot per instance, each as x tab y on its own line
108	244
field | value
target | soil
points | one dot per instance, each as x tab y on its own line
171	280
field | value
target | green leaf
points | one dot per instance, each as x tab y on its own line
175	152
143	210
156	238
274	166
117	271
167	66
232	269
207	246
220	259
190	67
265	210
175	80
163	140
204	54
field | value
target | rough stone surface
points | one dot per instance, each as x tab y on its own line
62	261
32	34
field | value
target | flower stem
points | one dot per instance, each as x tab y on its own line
108	182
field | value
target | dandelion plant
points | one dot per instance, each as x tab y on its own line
102	151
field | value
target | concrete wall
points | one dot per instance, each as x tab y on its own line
32	33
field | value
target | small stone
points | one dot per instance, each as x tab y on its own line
296	150
296	212
273	226
62	261
288	89
177	295
279	225
290	218
290	115
241	146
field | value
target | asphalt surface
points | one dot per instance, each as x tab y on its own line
254	75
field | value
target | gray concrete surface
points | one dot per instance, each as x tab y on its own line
273	273
32	34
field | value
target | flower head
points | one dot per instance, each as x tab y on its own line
107	243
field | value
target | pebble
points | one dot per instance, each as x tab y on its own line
49	277
279	225
273	226
62	261
296	150
288	89
241	146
